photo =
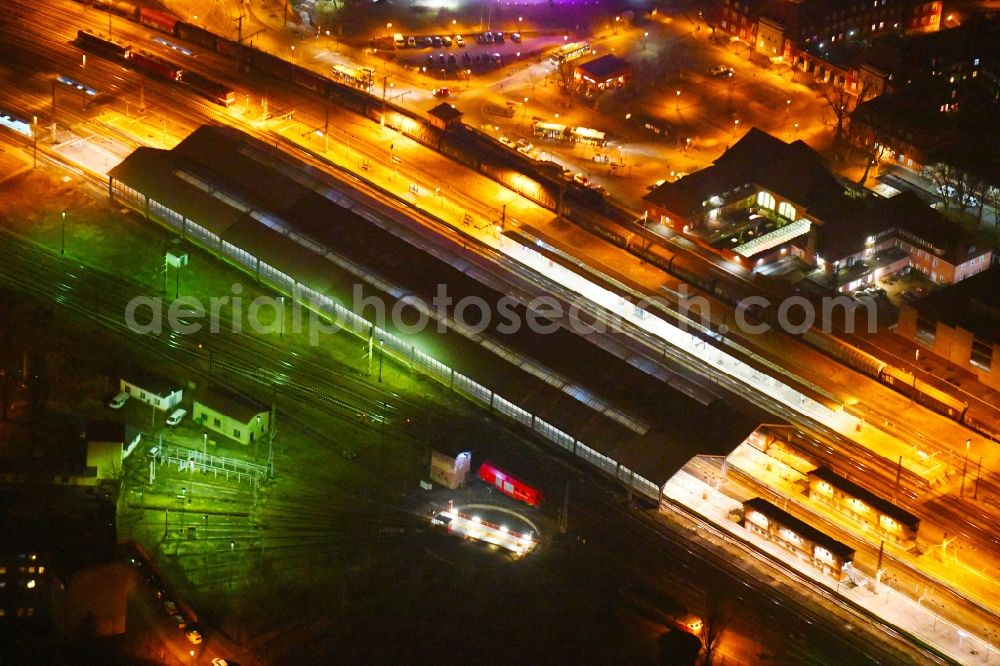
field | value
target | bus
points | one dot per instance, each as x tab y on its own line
569	52
357	77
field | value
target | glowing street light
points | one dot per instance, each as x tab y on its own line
677	107
645	35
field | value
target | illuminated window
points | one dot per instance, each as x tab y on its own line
765	200
31	570
41	570
786	209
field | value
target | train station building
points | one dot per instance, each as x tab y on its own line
766	201
304	233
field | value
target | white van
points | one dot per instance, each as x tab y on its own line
118	401
399	40
176	417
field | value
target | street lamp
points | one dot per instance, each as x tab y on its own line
965	467
677	106
62	242
644	36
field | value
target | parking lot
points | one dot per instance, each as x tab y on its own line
468	53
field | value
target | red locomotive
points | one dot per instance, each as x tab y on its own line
510	486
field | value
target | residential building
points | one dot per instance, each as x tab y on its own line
798	537
25	585
230	415
159	392
961	324
862	505
808	34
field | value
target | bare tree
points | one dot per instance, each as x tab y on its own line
837	113
718	616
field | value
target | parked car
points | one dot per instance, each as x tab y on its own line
411	42
487	37
498	38
436	41
219	661
118	401
507	142
399	40
428	41
447	40
170	607
721	71
193	635
179	620
459	41
441	92
516	37
176	417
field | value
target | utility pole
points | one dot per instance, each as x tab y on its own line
371	348
239	28
380	355
564	514
385	80
270	439
62	237
965	466
979	469
899	472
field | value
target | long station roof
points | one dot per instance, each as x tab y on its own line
330	237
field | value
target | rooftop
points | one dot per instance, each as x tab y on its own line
803	529
303	219
973	305
793	170
850	222
156	384
446	112
880	504
232	405
606	67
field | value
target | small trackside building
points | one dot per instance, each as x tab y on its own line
153	390
444	116
862	505
450	468
237	418
808	543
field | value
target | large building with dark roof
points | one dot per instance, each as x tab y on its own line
764	199
306	233
960	324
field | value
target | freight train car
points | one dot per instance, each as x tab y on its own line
213	91
158	21
126	9
106	48
510	486
154	66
